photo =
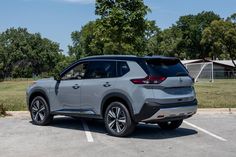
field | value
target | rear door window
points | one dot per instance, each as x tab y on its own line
166	67
101	69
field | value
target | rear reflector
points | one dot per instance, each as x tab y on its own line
149	80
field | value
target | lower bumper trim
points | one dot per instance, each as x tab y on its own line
168	114
154	111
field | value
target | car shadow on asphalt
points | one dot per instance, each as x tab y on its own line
142	131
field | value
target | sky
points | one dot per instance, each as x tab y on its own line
56	19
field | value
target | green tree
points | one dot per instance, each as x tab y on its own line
220	38
183	38
81	41
153	43
232	18
192	27
122	27
165	43
23	54
64	62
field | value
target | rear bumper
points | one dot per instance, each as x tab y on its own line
154	112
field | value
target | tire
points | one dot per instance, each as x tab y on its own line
40	112
118	121
171	125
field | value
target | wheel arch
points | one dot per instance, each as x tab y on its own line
116	97
38	92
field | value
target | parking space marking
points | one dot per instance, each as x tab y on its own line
87	132
205	131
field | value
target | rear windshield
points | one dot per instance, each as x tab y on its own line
166	67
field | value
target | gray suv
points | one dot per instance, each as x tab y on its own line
121	90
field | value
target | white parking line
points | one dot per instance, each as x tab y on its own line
205	131
87	132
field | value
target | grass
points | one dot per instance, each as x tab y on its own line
220	94
12	95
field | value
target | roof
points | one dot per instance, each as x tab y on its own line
108	56
126	57
121	57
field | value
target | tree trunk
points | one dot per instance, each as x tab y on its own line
232	58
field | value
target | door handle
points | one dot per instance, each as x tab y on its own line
107	84
76	86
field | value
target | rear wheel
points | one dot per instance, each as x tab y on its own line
40	112
118	121
170	125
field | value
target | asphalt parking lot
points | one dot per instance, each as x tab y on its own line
205	134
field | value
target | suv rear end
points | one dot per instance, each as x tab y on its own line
171	95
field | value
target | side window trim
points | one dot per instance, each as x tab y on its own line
117	73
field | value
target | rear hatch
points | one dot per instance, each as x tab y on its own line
175	86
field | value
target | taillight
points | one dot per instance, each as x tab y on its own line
149	80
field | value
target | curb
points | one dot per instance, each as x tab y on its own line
216	110
17	113
200	110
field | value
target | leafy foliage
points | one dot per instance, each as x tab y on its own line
165	43
220	38
24	55
64	62
192	27
82	41
183	38
121	29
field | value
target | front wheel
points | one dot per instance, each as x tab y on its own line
170	125
118	121
40	112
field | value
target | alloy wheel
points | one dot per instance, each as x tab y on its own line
38	110
116	119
